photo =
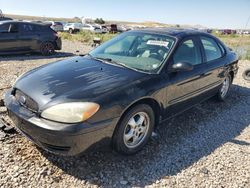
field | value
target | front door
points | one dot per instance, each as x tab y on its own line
9	38
185	86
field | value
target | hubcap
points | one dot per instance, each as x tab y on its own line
136	130
225	87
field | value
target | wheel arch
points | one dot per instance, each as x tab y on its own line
231	73
153	103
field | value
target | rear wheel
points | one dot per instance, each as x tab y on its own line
134	130
47	48
246	75
225	87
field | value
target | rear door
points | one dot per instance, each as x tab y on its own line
9	37
214	58
29	36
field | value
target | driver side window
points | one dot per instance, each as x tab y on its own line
9	28
187	52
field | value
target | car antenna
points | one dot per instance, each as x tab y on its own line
244	28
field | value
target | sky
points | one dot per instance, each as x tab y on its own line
232	14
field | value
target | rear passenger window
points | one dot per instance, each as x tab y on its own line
212	50
27	28
187	52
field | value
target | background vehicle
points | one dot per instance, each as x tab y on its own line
121	90
23	37
56	26
121	28
246	32
113	28
246	74
104	29
92	28
73	27
228	32
5	18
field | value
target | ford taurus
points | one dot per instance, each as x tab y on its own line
121	91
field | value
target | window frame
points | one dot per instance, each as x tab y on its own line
219	45
4	25
11	23
196	42
22	31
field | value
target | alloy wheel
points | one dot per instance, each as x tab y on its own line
225	87
136	129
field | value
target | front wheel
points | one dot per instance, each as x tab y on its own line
225	87
134	130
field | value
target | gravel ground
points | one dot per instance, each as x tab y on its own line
207	146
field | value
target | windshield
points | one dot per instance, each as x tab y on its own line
136	50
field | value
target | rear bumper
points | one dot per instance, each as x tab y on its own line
58	138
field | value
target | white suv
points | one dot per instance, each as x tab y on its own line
56	26
92	28
73	27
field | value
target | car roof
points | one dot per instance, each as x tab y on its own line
175	32
14	21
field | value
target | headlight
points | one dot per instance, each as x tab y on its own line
73	112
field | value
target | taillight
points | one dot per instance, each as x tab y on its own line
56	34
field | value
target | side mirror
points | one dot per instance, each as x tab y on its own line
181	66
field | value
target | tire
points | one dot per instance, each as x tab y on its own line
246	74
225	87
47	48
71	31
130	138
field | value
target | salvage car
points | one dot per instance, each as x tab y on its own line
23	37
72	27
121	91
92	28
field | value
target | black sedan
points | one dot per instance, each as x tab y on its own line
121	91
23	37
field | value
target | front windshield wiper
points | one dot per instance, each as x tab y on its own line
101	58
109	60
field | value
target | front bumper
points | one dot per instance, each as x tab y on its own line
58	138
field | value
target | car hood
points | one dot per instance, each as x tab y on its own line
75	79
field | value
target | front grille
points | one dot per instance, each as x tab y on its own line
26	101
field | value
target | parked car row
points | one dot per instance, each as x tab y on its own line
96	28
75	27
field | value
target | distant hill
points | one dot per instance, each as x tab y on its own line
24	17
76	19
